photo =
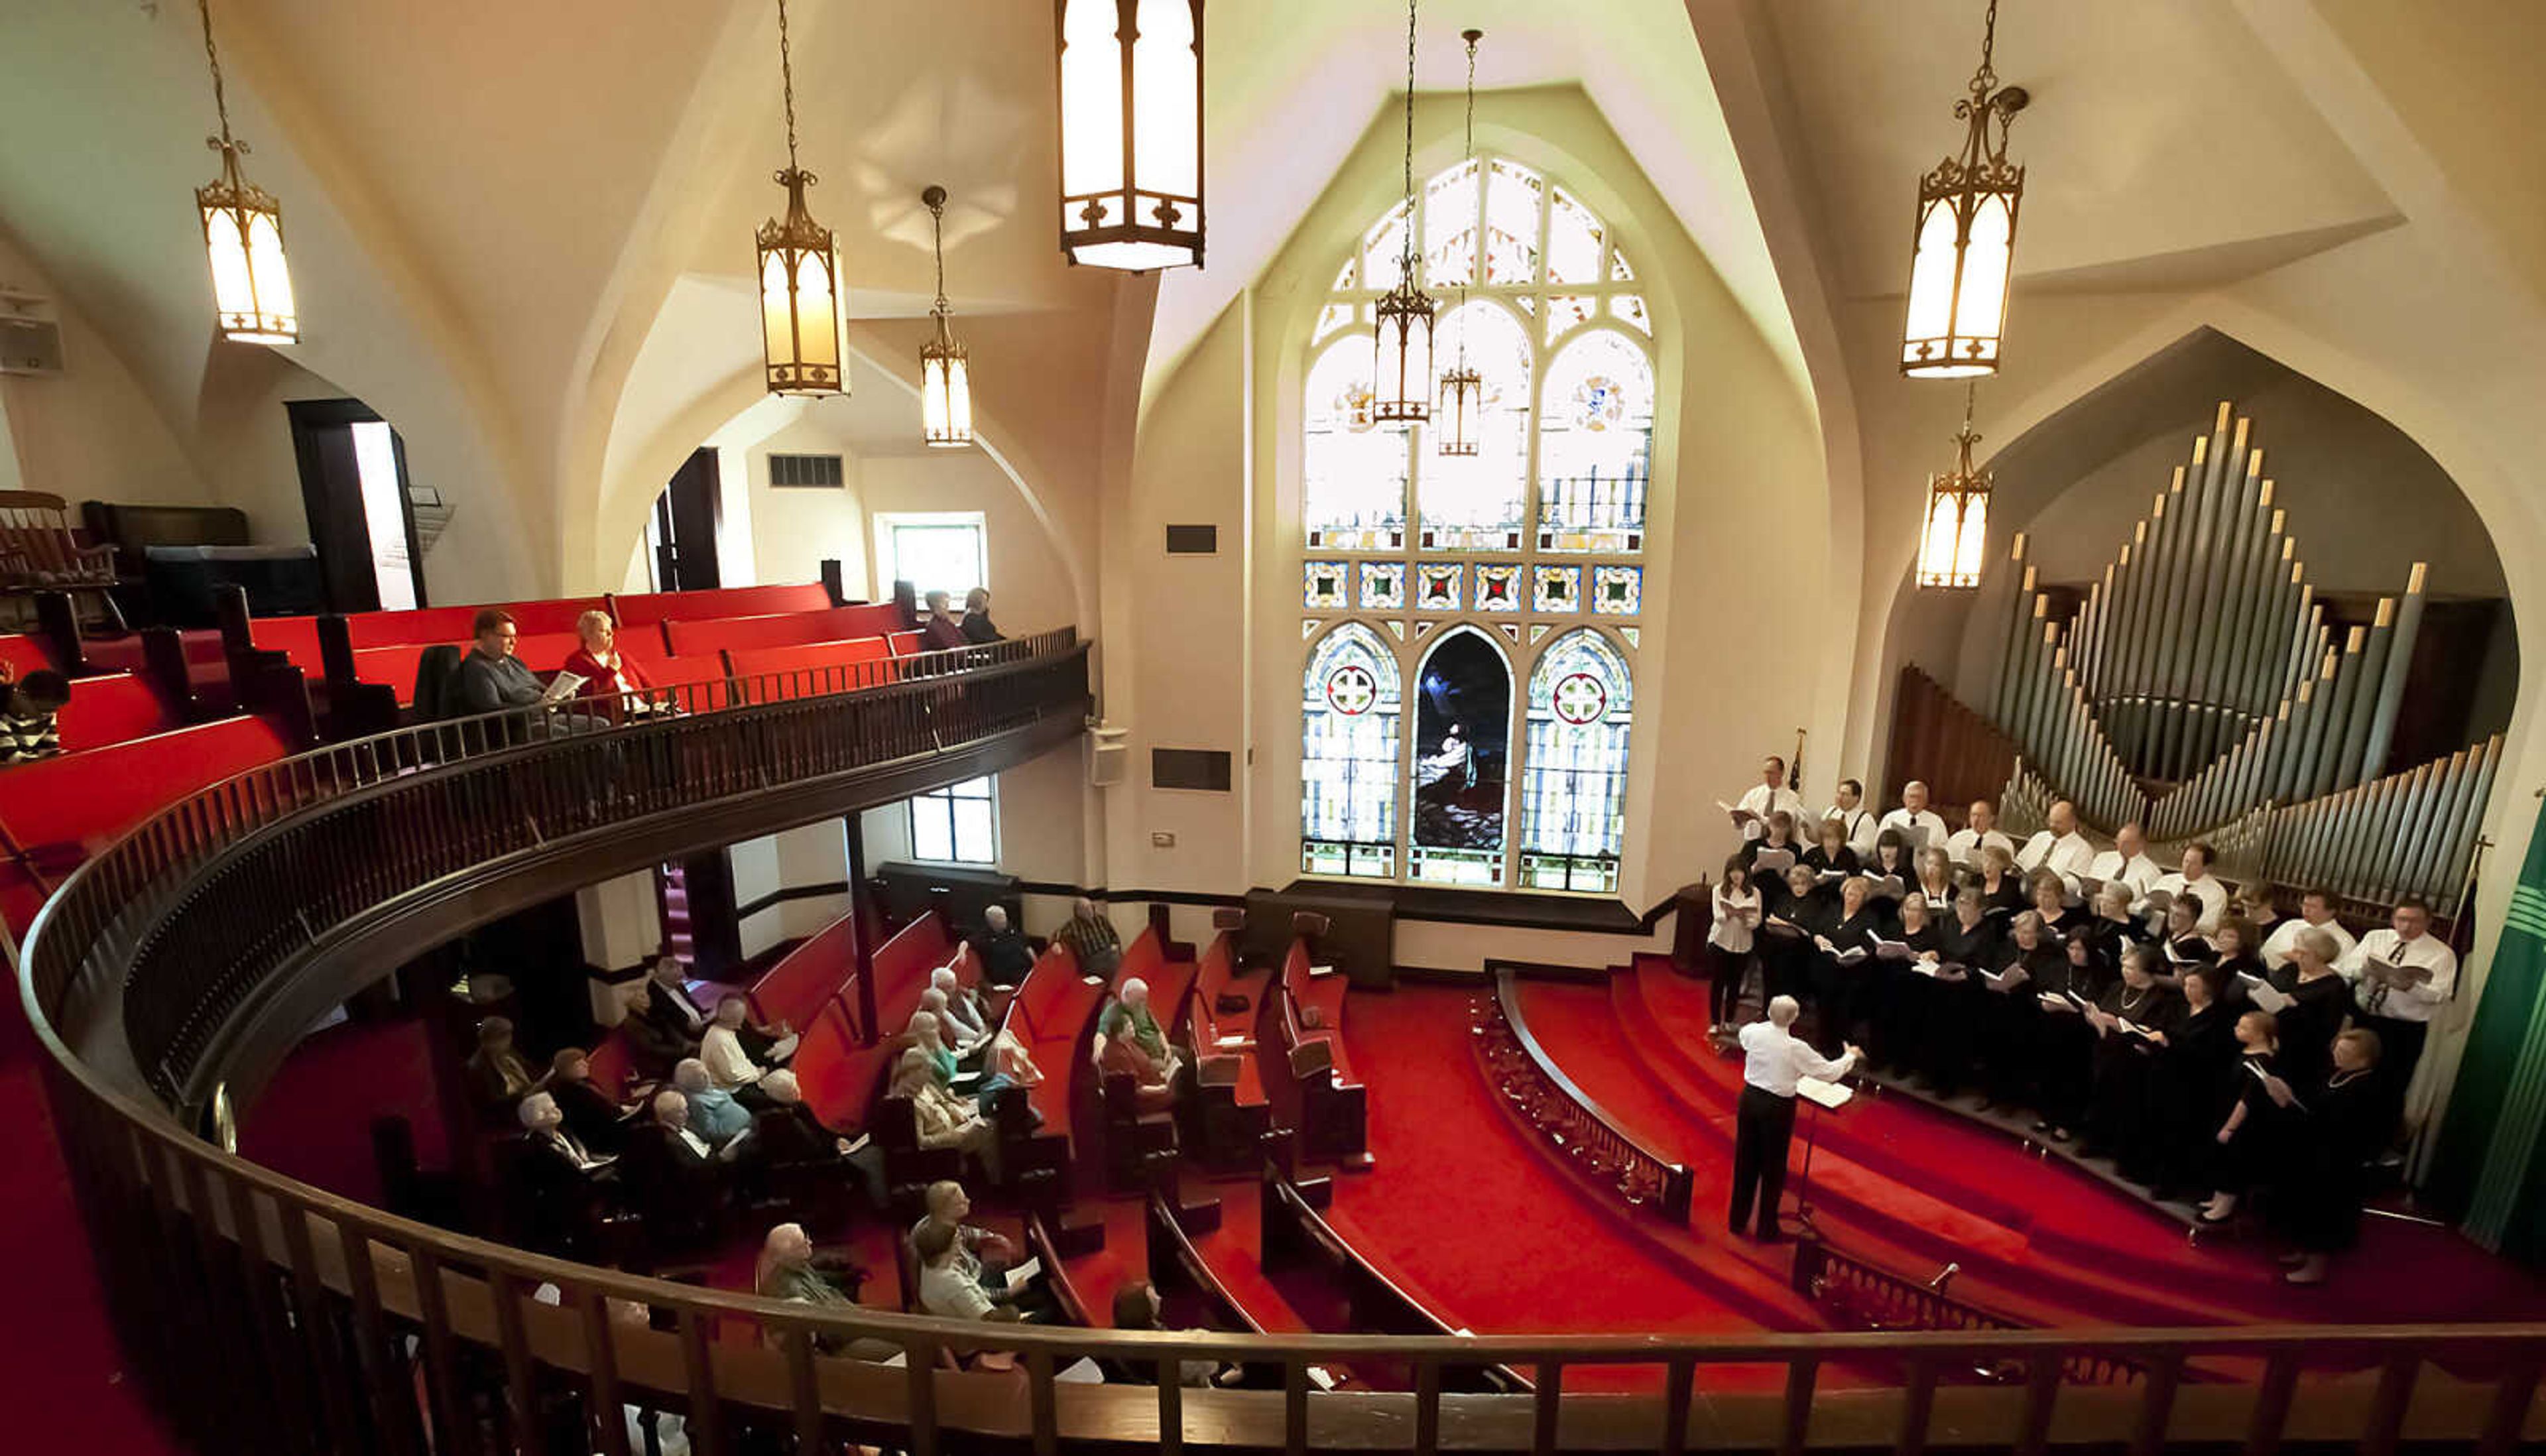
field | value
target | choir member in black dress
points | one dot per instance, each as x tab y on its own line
2184	947
1797	911
2132	1020
1840	977
1901	994
2050	895
2336	1134
2232	950
2319	998
1830	854
2189	1091
1964	945
2253	1139
1780	839
2011	1013
1890	860
2112	927
1937	882
2002	886
2063	1042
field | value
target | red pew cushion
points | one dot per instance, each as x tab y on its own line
112	709
451	623
813	668
645	609
24	652
778	629
808	978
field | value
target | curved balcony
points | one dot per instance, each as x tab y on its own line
266	1314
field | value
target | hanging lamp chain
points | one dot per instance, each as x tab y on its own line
221	93
1408	254
1987	77
1471	38
937	229
786	80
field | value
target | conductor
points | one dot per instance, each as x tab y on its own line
1776	1061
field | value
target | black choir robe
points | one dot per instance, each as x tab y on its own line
2189	1095
2119	1119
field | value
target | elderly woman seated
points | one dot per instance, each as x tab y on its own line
926	1033
1129	1043
963	1010
940	1118
964	1044
714	1115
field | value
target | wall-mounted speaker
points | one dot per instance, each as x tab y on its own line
30	346
1109	756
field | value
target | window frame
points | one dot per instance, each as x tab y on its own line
887	558
949	795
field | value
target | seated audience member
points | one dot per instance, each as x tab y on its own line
2191	1090
945	1290
556	1175
2002	884
1845	971
1730	936
654	1028
940	1118
2127	863
2197	882
963	1011
2061	849
2333	1139
2251	1138
590	1114
606	674
1849	810
2132	1021
1764	801
789	1269
787	1134
714	1115
1798	913
941	632
933	1003
2012	1009
1776	844
28	728
2316	912
497	1075
1918	824
2182	942
1006	956
677	1176
1010	1064
981	1255
553	1144
979	629
2401	975
1830	854
726	1049
2319	1002
1979	832
1092	939
490	679
1965	944
927	1034
1937	883
1137	1307
679	1010
1131	1043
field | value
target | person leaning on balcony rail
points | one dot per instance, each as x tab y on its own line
1775	1060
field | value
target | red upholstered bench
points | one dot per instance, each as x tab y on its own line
808	978
837	1076
394	666
451	623
687	639
810	670
296	638
1333	1104
906	644
113	709
645	609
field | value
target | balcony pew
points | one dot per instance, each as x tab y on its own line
808	669
697	638
649	609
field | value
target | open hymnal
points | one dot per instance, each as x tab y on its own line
1890	950
856	1143
562	687
2132	1027
2262	993
2256	1069
1316	970
783	1048
2157	900
1833	877
1882	887
1771	862
1829	1094
1914	837
1319	1377
1234	1039
1740	815
2078	1001
1853	955
1019	1275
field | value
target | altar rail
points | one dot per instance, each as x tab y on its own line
1518	1069
265	1316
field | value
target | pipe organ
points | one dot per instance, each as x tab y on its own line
2201	689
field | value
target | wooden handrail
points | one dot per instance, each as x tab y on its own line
1645	1177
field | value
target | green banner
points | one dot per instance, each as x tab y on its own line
2484	1170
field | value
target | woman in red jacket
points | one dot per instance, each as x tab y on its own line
606	674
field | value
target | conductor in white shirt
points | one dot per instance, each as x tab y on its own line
1849	810
2316	912
2061	849
1980	832
2127	863
2400	977
1913	814
1775	1061
1766	797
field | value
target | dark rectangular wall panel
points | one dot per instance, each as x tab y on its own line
1193	541
1189	768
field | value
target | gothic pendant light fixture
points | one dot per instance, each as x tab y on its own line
1401	377
1463	389
1957	520
1964	245
944	387
799	275
1131	132
243	234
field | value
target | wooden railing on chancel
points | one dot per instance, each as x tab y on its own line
1520	1071
1862	1296
260	1314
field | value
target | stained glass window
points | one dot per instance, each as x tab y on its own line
1573	787
1461	557
1595	446
1352	472
1348	765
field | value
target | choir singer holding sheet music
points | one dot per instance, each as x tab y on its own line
1774	1062
2061	849
1918	824
1766	797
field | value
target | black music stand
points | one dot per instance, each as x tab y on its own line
1804	1184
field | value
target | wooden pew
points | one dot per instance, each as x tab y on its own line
1230	1106
1307	1011
708	637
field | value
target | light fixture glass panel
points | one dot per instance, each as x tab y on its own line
1167	92
271	277
1932	275
1091	105
233	292
1573	240
777	320
1971	540
1981	306
818	332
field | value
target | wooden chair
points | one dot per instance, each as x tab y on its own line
39	550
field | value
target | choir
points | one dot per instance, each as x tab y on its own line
2212	1050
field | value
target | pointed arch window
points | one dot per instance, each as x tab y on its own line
1462	760
1595	446
1349	712
1573	792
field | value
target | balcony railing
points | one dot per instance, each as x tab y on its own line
266	1316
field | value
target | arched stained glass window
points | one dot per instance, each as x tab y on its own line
1348	760
1574	790
1462	566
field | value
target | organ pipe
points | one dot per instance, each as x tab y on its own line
2391	681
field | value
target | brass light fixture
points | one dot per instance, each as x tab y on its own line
1131	132
1401	377
1964	246
1463	389
243	234
1957	520
944	387
799	275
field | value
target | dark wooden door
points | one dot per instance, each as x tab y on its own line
685	526
331	495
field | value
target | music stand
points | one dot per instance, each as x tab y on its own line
1804	1184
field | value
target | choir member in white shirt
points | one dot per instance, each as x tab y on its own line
1774	1062
1851	812
1913	814
1736	922
2316	912
2195	880
2400	977
2061	849
1770	794
2127	863
728	1066
1980	832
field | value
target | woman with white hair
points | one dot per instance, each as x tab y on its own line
942	1119
606	672
962	1009
927	1035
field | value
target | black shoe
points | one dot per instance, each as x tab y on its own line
2042	1125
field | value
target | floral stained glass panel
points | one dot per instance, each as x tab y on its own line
1595	446
1499	586
1436	586
1382	585
1617	591
1323	585
1557	589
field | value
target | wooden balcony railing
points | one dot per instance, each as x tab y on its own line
265	1316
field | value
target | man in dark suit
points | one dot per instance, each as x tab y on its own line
555	1177
1006	956
590	1116
678	1180
789	1136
